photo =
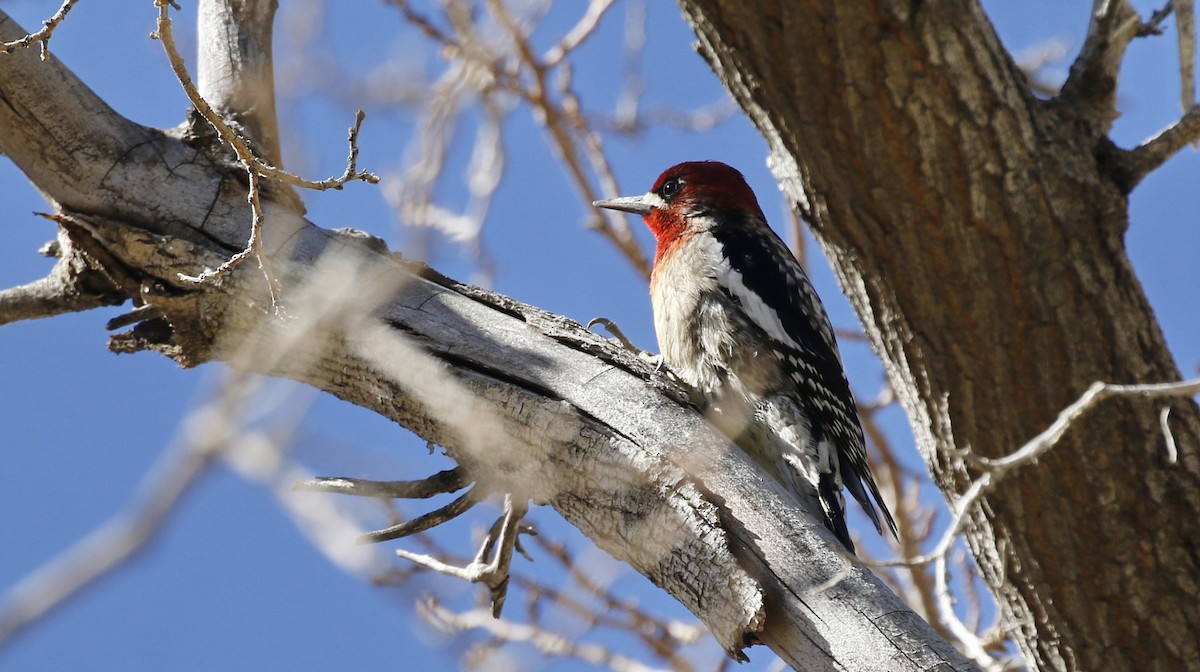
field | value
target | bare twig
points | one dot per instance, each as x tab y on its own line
663	637
165	34
571	136
42	37
588	596
939	602
109	546
971	643
925	588
1153	25
424	522
578	34
544	83
499	544
440	483
996	469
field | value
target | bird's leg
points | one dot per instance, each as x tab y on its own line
619	336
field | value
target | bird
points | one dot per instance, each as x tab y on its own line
737	320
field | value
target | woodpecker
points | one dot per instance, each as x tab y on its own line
738	320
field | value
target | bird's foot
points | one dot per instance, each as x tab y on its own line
620	337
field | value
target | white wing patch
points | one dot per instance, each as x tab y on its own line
755	308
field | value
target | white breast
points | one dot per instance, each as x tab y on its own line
690	311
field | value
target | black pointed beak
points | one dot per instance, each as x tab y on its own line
635	204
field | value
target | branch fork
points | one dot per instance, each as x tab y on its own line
256	167
491	564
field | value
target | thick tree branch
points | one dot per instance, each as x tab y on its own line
576	458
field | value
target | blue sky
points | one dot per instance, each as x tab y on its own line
231	583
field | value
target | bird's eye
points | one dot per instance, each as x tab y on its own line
669	188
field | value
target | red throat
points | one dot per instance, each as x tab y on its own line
668	228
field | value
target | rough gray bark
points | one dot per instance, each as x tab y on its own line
554	412
979	234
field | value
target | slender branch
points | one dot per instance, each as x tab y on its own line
165	34
583	29
442	482
563	126
914	519
424	522
109	546
589	597
1142	160
1092	82
970	643
628	614
42	37
629	100
996	469
544	83
235	68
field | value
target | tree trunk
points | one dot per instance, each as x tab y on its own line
979	232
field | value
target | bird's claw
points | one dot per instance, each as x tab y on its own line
618	335
654	360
